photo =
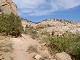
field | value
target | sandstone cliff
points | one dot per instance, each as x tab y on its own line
7	6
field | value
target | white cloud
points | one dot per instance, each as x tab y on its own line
44	7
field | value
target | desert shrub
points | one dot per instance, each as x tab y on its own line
32	32
43	35
10	25
68	42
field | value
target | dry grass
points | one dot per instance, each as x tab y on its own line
32	49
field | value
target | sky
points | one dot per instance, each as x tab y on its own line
38	10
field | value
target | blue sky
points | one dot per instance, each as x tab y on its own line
38	10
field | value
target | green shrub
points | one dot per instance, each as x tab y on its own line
68	42
10	25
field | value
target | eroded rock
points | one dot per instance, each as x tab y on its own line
63	56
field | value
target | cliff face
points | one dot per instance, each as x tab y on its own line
7	6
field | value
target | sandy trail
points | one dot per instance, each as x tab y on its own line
20	46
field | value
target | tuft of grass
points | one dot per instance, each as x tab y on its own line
32	49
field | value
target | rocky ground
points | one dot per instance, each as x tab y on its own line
5	48
26	48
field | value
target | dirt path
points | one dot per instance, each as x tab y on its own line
20	46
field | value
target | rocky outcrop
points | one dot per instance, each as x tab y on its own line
7	6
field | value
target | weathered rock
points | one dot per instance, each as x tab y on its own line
7	6
62	56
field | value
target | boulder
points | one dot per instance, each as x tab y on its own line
63	56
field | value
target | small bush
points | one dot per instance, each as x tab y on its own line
68	42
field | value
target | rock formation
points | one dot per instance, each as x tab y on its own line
54	26
7	6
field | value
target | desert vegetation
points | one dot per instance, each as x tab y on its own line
68	42
31	31
10	25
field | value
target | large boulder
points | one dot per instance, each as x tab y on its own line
63	56
8	6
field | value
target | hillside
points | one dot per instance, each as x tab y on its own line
57	26
26	48
51	39
59	35
47	40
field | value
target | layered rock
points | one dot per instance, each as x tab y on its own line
7	6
